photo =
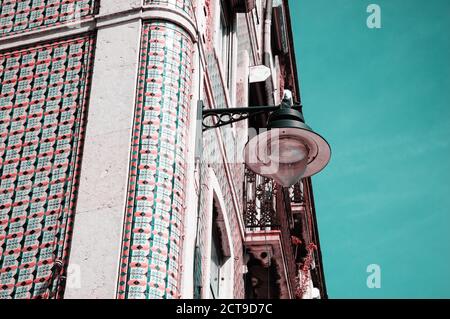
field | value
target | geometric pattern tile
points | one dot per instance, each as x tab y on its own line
43	98
155	211
20	15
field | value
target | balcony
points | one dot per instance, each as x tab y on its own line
280	241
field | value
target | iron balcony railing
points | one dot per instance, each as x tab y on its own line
259	202
269	207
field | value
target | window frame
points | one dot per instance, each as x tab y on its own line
222	221
218	254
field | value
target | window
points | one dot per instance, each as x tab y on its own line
217	258
220	256
223	42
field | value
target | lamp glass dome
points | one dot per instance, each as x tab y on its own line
287	154
287	150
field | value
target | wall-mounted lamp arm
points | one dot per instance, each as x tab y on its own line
222	117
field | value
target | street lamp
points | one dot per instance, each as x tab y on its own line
287	151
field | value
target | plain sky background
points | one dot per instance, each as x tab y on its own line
381	97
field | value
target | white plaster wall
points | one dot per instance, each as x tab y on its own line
97	235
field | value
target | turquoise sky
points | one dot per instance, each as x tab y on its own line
382	99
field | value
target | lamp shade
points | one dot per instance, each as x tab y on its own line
288	150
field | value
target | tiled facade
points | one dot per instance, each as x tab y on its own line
43	106
18	16
140	210
155	209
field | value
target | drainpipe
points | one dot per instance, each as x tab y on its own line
267	50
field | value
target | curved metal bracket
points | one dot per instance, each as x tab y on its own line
212	118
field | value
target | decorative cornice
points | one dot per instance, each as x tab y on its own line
100	21
174	15
55	32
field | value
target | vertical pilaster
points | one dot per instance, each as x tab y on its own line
155	212
104	175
